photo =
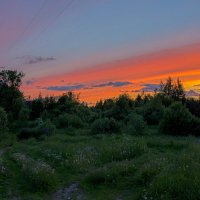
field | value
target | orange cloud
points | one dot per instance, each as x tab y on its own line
183	62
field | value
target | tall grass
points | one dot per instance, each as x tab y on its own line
107	167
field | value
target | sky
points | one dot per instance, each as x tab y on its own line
100	48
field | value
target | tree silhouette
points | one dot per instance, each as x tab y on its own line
11	97
173	89
11	78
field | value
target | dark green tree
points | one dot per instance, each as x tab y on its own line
3	120
37	107
177	120
11	97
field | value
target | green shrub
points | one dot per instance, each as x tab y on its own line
37	174
69	121
42	129
46	128
26	133
3	120
153	112
22	119
34	123
136	124
195	126
179	121
105	125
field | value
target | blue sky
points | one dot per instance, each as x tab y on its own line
78	34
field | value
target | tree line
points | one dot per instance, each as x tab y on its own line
167	108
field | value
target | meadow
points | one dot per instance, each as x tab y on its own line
110	167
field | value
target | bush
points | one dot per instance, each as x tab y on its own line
136	124
69	121
42	129
194	106
153	112
195	126
22	119
24	114
46	128
179	121
3	120
105	125
26	133
35	123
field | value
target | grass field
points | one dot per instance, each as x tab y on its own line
75	165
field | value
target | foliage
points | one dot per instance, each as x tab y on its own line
194	106
118	108
46	128
11	78
177	120
11	97
123	106
174	90
3	120
165	100
26	133
37	107
68	121
68	102
136	124
105	126
24	114
38	129
40	176
153	112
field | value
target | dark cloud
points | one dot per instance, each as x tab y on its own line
149	87
35	59
65	88
40	59
29	82
192	93
77	86
198	85
113	84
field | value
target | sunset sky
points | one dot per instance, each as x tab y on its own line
100	48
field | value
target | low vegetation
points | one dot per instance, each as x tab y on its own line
122	148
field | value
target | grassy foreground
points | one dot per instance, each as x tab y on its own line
110	167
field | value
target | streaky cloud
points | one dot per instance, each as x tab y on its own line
148	87
36	59
84	86
114	84
65	88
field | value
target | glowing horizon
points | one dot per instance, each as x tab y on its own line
124	76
